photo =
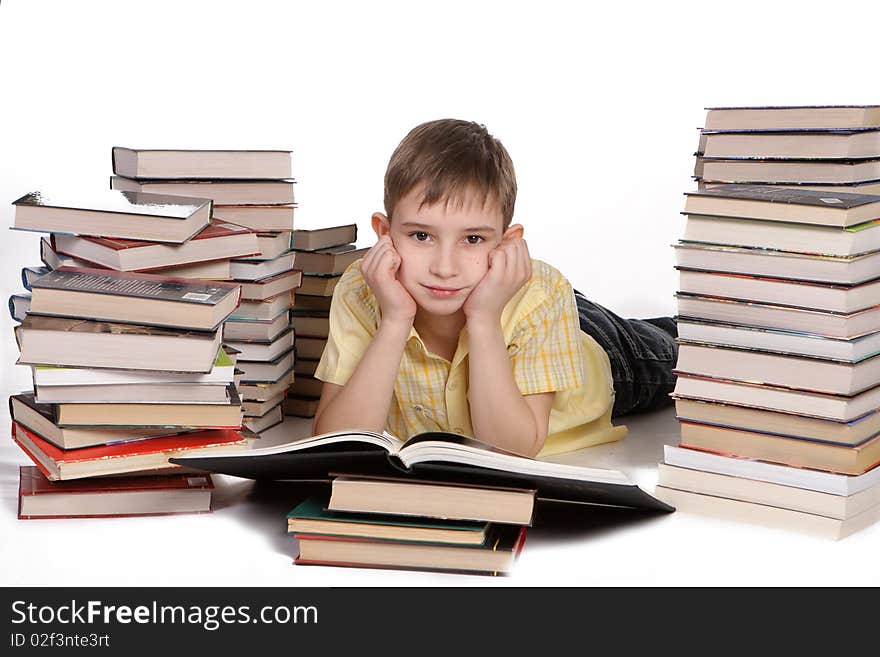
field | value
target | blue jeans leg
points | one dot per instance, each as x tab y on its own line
642	354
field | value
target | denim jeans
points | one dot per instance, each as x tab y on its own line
642	354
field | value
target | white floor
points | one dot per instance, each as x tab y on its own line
243	542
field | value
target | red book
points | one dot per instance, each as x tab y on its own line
146	455
495	557
219	240
111	496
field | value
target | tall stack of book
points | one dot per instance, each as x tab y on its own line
322	255
778	390
128	368
439	501
250	190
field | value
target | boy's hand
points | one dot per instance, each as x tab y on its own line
379	268
510	266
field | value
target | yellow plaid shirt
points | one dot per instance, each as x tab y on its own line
547	350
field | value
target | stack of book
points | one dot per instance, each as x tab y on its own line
128	368
778	390
322	255
828	148
438	501
251	191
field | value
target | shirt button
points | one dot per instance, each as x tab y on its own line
453	385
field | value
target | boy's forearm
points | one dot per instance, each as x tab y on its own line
365	399
499	414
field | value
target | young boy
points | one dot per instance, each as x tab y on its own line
447	324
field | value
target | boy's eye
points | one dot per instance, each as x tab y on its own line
474	239
420	235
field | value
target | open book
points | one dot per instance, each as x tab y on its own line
437	456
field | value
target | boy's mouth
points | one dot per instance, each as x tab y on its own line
442	292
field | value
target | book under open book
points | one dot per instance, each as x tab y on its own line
437	456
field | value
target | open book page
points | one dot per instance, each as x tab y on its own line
453	448
280	443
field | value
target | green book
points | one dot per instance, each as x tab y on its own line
313	517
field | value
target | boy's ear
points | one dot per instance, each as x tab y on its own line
381	224
513	232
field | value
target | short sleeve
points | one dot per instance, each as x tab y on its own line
353	323
547	353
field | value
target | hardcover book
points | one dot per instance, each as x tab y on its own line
134	298
122	458
324	238
313	517
201	164
495	557
264	350
70	342
40	419
217	241
332	260
818	172
784	204
433	456
838	144
127	215
111	496
273	286
800	238
226	192
794	117
258	217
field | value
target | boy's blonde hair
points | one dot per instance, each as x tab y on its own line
451	157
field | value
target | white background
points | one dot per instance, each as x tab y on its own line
598	104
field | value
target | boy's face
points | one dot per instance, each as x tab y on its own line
444	249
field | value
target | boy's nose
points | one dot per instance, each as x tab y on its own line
443	263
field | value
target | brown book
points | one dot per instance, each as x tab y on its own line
432	499
125	215
70	342
797	452
258	408
322	286
306	386
306	366
271	418
332	260
791	424
495	557
790	171
148	163
133	298
314	326
41	419
217	241
111	496
306	302
226	415
324	238
227	192
310	347
300	406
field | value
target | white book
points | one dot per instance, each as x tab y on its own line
817	480
803	294
800	238
779	264
814	404
791	342
767	516
801	373
789	318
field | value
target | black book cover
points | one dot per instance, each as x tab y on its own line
769	194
